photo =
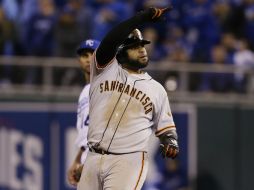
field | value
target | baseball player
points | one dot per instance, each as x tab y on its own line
126	106
84	52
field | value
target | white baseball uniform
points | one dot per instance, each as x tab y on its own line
125	109
83	120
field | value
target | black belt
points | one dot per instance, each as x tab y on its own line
100	151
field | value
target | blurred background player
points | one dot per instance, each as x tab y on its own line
84	52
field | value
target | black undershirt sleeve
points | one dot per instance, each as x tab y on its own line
108	47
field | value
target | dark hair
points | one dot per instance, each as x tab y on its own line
122	56
82	51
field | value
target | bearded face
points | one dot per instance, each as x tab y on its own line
137	57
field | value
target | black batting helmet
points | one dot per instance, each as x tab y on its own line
135	38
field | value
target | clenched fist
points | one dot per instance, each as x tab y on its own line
168	144
74	173
155	14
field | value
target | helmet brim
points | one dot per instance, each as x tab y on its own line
134	44
82	50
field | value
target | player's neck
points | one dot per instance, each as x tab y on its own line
132	70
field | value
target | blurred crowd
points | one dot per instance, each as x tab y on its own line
196	31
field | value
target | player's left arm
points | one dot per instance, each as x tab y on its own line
75	170
166	130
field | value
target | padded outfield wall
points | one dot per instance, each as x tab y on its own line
36	147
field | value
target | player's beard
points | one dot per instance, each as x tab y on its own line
136	63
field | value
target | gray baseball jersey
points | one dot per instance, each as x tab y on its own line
125	108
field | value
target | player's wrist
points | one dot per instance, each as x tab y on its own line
166	136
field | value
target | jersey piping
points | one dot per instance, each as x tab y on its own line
159	132
97	144
122	114
141	171
118	123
